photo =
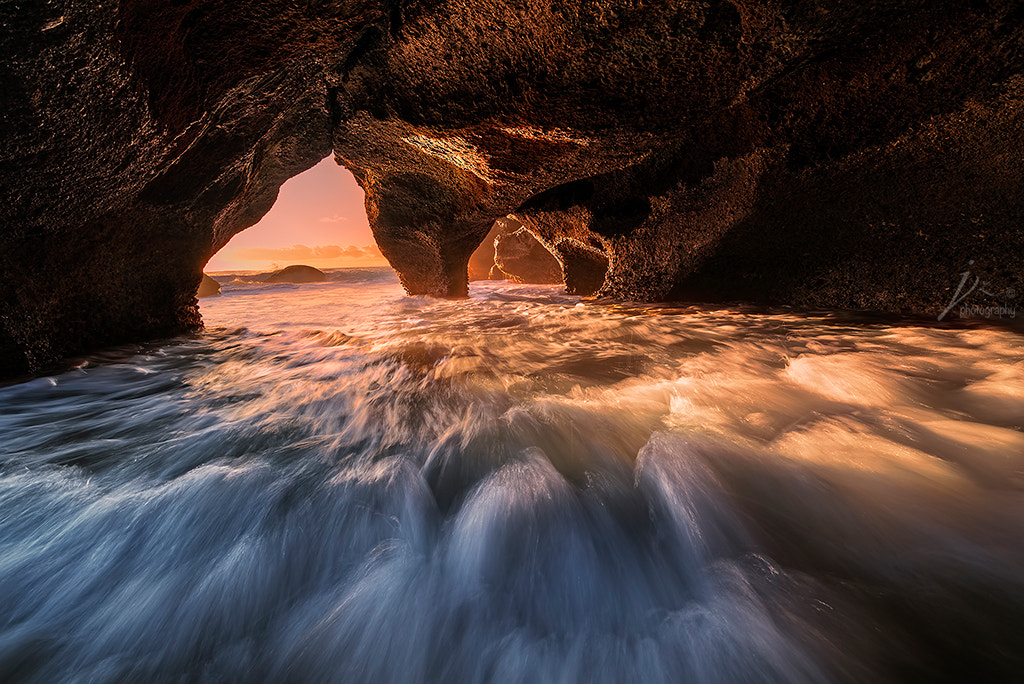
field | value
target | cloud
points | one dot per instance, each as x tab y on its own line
306	253
337	218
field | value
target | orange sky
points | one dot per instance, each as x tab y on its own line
318	219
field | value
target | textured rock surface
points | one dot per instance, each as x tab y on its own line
857	153
514	253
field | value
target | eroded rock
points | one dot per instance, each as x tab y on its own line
584	269
858	155
481	263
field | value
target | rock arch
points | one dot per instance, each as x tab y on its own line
855	157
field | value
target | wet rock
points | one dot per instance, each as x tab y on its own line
296	274
208	287
581	254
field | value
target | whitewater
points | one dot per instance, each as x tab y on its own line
336	482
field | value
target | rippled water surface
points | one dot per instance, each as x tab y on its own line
339	483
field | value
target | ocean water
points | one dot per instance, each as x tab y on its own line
339	483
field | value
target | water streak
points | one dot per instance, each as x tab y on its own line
339	483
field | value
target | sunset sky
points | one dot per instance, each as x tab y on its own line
318	219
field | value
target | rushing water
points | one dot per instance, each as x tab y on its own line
339	483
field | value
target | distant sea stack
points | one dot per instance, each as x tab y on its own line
208	287
296	274
856	154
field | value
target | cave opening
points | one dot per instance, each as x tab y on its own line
319	224
512	253
318	221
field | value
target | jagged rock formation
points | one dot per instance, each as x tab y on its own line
857	153
297	273
481	264
584	269
512	252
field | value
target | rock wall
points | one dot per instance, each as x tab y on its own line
856	153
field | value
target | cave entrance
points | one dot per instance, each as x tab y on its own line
318	220
510	252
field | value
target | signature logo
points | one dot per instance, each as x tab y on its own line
1000	311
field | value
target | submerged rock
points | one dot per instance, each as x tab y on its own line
208	287
296	274
862	155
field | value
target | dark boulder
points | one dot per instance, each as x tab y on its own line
585	268
296	274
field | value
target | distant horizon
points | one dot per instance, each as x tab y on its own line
260	271
319	219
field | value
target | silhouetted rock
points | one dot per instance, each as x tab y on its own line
855	154
296	274
208	287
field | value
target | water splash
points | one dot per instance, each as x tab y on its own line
339	483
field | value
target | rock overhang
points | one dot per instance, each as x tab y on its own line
779	152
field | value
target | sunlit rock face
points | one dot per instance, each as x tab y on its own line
846	154
525	260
